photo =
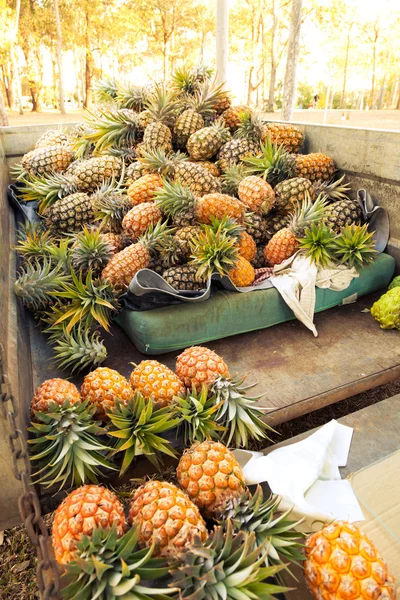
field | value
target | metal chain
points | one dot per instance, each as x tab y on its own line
29	506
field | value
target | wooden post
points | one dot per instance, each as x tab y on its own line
222	34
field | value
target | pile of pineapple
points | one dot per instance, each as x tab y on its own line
173	178
204	535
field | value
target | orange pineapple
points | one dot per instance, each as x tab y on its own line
256	194
286	134
156	382
144	188
315	166
140	218
54	390
210	475
102	387
247	246
284	243
166	516
82	510
342	563
117	241
198	366
218	206
231	115
243	273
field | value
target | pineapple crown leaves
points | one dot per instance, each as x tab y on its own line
308	212
198	412
90	250
29	229
225	566
319	244
106	89
355	246
173	198
158	161
60	254
80	349
162	103
90	300
250	512
170	249
113	128
231	227
107	567
33	245
187	80
137	427
273	163
238	412
334	190
110	204
213	251
205	98
232	178
133	97
66	447
152	237
47	189
37	281
251	126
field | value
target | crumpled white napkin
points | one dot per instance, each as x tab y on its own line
296	279
306	475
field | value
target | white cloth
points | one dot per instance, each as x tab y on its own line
296	280
306	475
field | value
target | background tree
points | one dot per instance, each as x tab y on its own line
289	92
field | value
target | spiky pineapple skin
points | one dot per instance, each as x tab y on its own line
342	562
274	222
315	166
139	219
82	510
218	206
92	173
102	387
52	137
235	151
281	246
205	143
198	366
134	171
256	226
242	275
256	194
211	167
47	159
342	213
124	265
247	246
166	516
157	135
183	278
231	115
143	189
186	124
196	178
184	237
291	191
290	136
258	261
54	390
71	213
210	474
156	382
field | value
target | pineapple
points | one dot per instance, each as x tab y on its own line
355	246
138	220
110	128
90	251
167	517
83	510
231	116
36	281
210	475
117	241
236	151
271	162
124	265
198	410
47	160
211	167
315	166
232	177
274	222
219	205
191	119
256	194
247	246
184	237
124	567
226	566
48	188
256	227
137	425
134	171
293	191
184	278
110	204
342	213
319	244
102	387
156	382
144	188
66	445
92	173
342	562
70	213
52	137
258	261
284	243
242	274
161	107
245	243
223	102
285	134
198	366
386	310
205	143
54	391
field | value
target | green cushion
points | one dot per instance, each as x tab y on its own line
229	313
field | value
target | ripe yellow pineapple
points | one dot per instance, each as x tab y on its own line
140	218
166	516
102	387
144	188
211	167
117	241
284	243
219	206
156	382
315	166
198	366
342	563
243	273
290	136
256	194
84	509
291	191
210	475
231	115
54	390
247	246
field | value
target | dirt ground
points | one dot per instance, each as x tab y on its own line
373	119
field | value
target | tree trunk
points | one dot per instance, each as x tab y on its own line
59	58
3	114
398	103
293	51
274	64
346	64
35	96
372	97
8	84
165	59
394	93
88	66
13	58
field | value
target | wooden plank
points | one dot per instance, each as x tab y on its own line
298	372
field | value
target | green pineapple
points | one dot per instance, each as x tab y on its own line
319	244
47	160
77	350
184	278
90	251
205	143
256	226
93	172
69	214
292	191
47	189
355	246
36	281
271	162
342	213
161	108
386	310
